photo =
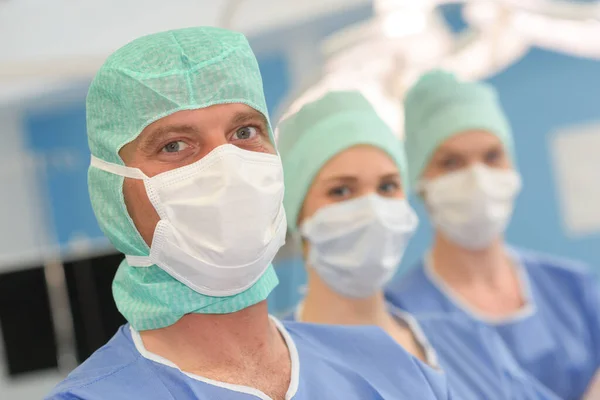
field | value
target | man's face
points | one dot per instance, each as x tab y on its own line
184	138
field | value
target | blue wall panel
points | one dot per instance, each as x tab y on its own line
276	78
58	138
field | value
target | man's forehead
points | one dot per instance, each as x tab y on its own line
212	114
200	119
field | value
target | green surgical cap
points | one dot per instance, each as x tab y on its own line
322	129
439	106
144	81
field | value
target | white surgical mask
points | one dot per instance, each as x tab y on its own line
356	245
221	219
473	206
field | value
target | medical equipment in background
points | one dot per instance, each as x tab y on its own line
385	54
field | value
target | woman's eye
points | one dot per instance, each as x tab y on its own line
175	147
245	133
389	187
450	163
342	191
493	156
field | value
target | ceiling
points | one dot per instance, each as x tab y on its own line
39	38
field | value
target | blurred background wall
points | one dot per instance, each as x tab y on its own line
552	99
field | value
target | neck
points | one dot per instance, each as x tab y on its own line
211	341
341	310
322	305
488	264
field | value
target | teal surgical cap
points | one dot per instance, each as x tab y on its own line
439	106
144	81
322	129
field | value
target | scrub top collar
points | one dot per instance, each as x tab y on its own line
431	357
295	368
414	326
527	310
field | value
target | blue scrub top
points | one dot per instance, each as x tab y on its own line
477	363
328	363
555	337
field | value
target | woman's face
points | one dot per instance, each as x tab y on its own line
356	172
464	150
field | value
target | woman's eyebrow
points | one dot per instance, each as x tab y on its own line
341	178
391	175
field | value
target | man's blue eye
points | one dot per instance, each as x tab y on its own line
175	147
245	133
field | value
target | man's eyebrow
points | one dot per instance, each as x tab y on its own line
246	116
156	136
